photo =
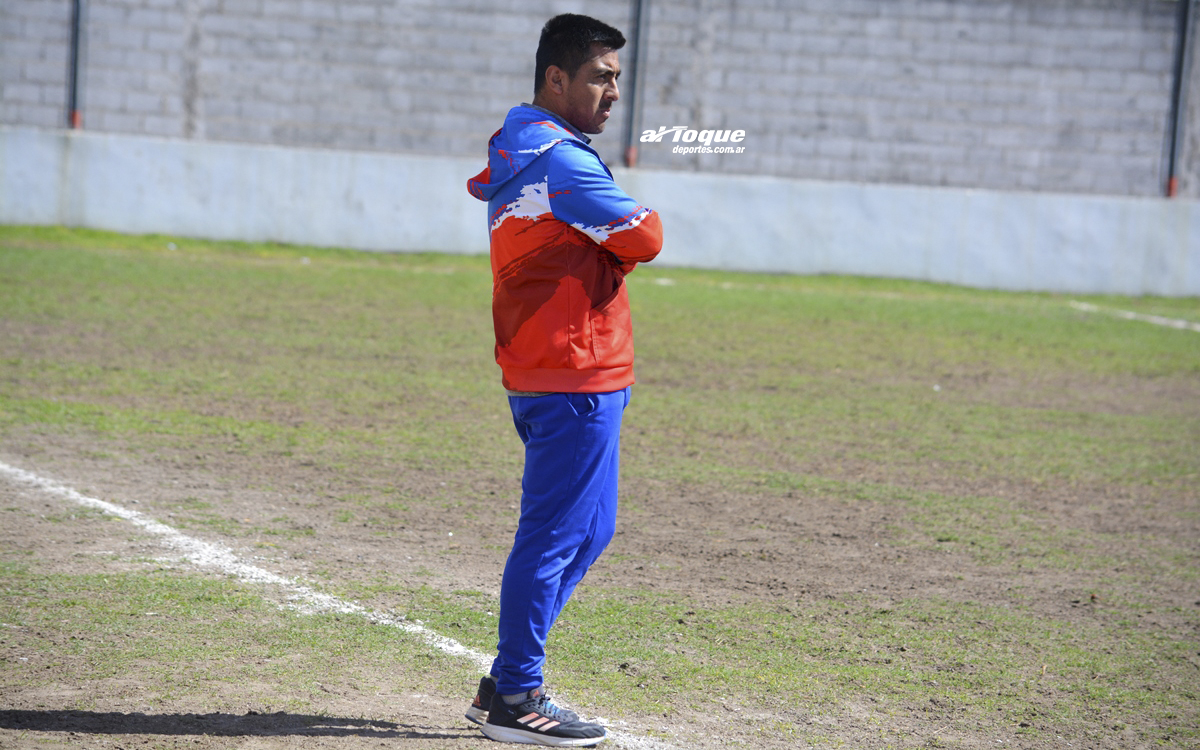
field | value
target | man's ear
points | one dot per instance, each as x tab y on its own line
556	79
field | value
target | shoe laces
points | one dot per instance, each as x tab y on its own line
546	706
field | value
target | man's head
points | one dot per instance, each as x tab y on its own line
577	69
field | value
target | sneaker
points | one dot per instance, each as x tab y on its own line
478	712
537	721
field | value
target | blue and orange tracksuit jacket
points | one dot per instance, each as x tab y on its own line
563	236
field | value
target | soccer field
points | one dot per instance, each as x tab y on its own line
260	496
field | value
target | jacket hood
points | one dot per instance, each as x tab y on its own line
528	132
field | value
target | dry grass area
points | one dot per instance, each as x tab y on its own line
856	513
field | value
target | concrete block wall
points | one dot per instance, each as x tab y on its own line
34	62
407	77
1049	95
415	76
1063	95
1189	156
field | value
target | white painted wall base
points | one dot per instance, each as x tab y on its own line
392	202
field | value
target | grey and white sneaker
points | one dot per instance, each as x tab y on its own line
537	721
478	712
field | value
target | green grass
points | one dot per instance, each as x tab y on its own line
367	355
996	664
181	635
918	397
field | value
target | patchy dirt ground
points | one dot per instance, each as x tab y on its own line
712	546
351	527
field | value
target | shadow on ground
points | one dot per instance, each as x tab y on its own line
219	724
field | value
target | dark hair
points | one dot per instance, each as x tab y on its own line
567	42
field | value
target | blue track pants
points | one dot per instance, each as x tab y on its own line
568	517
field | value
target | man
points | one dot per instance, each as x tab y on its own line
563	237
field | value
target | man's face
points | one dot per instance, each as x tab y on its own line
590	93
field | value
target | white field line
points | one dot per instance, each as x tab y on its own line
1185	325
209	555
301	597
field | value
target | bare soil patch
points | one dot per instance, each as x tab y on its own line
714	546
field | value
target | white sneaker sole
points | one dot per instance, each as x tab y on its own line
477	715
533	737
